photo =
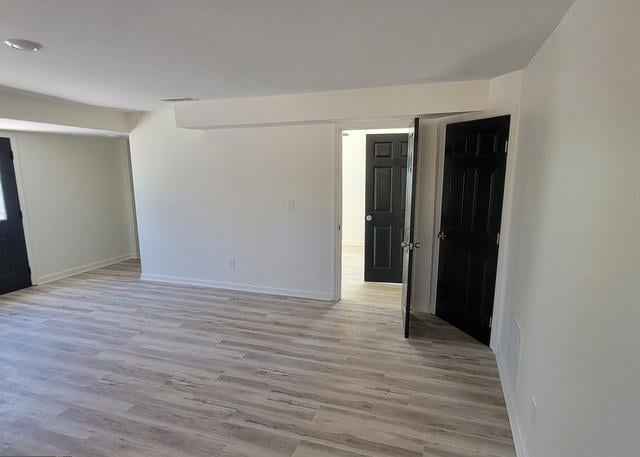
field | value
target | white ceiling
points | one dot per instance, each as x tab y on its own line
130	53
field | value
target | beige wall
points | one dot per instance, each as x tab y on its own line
425	217
354	161
76	199
51	113
354	144
392	102
213	206
572	295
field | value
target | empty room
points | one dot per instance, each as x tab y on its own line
337	228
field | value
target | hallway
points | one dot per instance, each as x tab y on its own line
355	289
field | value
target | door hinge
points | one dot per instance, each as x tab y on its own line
506	146
498	239
29	270
20	214
11	153
490	321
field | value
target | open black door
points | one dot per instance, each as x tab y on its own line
408	243
473	185
386	171
14	267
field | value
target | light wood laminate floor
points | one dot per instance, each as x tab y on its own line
103	364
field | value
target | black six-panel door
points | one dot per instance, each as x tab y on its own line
473	186
14	266
386	175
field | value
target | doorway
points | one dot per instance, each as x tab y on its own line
469	235
14	265
373	183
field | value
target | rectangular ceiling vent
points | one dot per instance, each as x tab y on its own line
178	99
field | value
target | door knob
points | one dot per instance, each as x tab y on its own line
404	244
442	235
417	245
369	218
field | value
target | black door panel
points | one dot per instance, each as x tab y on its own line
14	266
386	172
409	243
473	187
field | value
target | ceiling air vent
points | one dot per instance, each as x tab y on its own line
178	99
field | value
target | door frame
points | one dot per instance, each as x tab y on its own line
336	222
26	228
507	204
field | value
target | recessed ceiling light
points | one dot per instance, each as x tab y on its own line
23	45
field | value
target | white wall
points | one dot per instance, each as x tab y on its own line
574	254
76	199
425	216
204	198
506	90
19	106
354	161
401	102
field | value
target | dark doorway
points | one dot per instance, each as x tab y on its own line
386	176
473	186
14	266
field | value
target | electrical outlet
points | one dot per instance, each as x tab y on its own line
231	264
291	205
534	411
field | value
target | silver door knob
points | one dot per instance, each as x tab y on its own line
369	218
417	245
442	235
404	244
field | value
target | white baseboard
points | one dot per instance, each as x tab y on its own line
81	269
237	287
509	398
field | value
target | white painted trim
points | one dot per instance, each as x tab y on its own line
336	222
82	269
507	201
240	287
352	243
509	398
